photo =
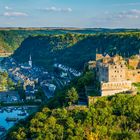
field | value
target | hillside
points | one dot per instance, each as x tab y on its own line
75	50
11	38
9	41
110	118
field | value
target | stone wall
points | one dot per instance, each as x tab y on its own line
114	75
99	57
102	72
112	88
133	75
134	63
117	73
91	65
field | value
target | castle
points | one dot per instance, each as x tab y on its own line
116	74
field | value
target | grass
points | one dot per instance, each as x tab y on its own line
137	85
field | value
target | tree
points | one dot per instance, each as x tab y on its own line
10	84
85	80
72	95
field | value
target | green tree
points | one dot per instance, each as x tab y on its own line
72	95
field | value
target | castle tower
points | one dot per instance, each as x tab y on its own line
30	61
98	54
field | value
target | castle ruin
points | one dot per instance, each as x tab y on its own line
116	74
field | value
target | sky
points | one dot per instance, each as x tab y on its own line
70	13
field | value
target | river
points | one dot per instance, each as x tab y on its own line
14	112
2	67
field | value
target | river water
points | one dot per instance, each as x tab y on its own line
13	112
1	67
6	114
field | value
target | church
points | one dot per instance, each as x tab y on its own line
28	65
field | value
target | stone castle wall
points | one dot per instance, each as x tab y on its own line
114	75
133	63
102	73
117	73
116	85
133	75
112	92
112	88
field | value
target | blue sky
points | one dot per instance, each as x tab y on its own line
70	13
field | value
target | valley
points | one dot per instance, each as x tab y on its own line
49	69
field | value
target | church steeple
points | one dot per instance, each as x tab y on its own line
30	61
30	58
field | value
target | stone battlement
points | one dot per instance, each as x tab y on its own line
112	88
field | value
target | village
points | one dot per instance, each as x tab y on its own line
31	78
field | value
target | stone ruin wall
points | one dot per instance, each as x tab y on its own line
133	75
116	87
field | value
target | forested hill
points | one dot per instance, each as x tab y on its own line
110	118
9	41
75	50
11	38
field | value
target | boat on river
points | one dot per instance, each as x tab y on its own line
22	114
8	119
2	129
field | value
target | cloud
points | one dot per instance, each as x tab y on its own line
127	4
7	8
131	14
15	14
128	18
122	15
134	3
55	9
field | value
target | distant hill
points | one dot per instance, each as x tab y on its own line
9	41
11	38
75	50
